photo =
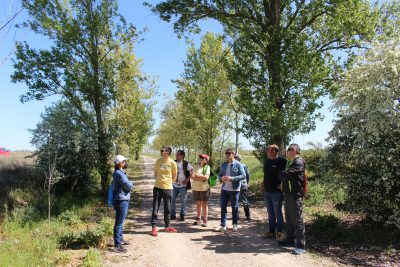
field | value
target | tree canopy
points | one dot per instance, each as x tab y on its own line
283	55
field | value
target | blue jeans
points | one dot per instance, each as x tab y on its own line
273	201
181	191
233	196
121	210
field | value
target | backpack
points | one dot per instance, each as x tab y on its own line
305	182
212	180
110	198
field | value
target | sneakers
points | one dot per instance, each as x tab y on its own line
247	219
298	251
235	228
204	224
173	217
182	218
280	236
220	229
119	249
170	229
268	235
154	231
197	221
125	243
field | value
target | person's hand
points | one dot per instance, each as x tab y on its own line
279	187
228	178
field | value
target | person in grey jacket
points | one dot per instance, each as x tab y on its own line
244	198
231	174
293	191
121	196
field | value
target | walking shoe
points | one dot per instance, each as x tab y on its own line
268	235
280	236
170	229
197	222
248	219
204	224
182	218
235	228
154	231
286	243
173	217
119	249
298	251
125	243
220	229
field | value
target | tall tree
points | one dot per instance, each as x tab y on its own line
283	54
366	135
78	65
133	108
203	90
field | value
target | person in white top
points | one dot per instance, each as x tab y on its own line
181	185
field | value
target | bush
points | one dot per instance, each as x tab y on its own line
69	218
95	237
92	258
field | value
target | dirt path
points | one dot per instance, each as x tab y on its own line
195	245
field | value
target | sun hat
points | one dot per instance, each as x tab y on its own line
204	156
119	159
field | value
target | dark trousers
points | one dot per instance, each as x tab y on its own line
294	219
121	210
164	195
245	201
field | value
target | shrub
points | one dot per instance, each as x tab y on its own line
92	258
95	237
69	218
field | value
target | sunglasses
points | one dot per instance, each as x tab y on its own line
290	149
228	153
162	151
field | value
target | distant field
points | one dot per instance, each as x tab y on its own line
16	159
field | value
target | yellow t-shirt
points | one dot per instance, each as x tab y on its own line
165	171
201	185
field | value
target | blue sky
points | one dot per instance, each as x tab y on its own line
162	53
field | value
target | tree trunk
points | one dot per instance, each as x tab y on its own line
236	132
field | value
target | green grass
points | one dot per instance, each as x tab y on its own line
78	229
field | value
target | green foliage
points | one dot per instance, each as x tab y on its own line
283	55
69	218
367	134
63	136
91	237
199	114
92	258
83	66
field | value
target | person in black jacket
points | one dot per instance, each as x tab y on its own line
293	190
272	193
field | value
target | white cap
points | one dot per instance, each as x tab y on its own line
119	159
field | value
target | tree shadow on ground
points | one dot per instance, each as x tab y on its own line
353	241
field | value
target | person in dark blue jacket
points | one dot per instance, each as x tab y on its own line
121	196
244	198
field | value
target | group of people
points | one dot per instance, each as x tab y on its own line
283	183
175	178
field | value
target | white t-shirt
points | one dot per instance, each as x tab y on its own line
181	174
227	186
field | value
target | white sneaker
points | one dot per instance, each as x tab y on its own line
220	228
235	228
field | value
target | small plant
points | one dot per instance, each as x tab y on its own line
69	218
95	237
92	258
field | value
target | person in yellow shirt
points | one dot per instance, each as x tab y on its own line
165	171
